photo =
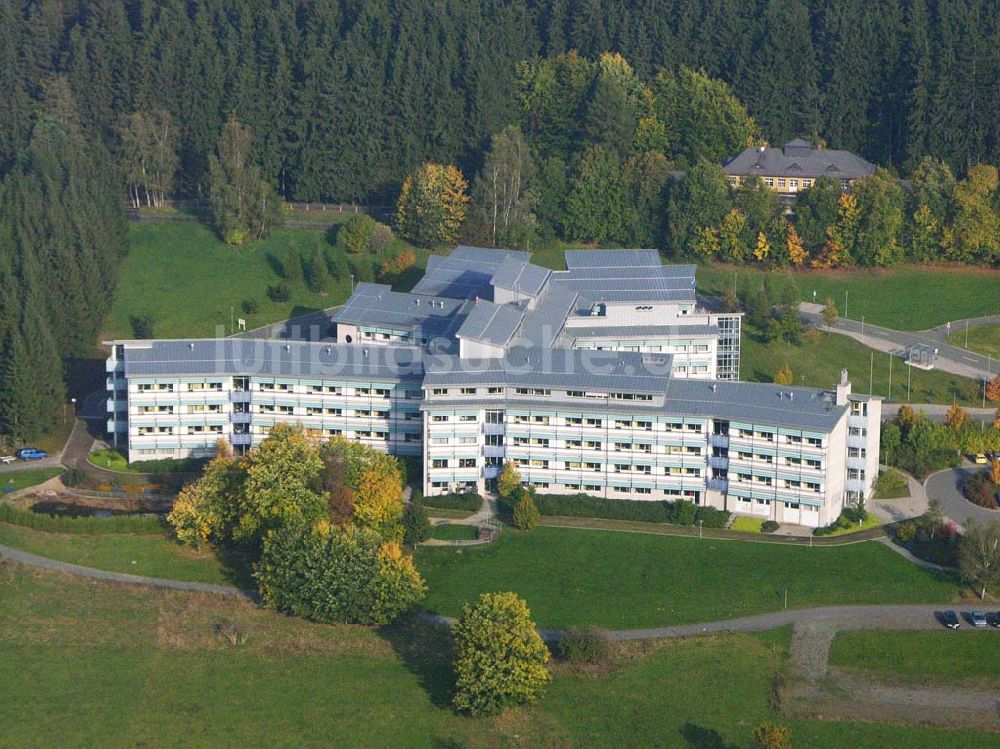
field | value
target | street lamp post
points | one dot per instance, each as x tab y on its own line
352	284
845	304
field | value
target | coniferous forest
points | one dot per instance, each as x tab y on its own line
584	120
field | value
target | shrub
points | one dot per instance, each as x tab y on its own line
890	480
84	524
769	526
143	326
980	489
279	292
343	574
416	526
499	657
526	512
682	512
74	477
467	501
250	306
710	517
585	645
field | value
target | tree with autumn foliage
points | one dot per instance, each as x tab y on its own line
205	509
762	249
397	265
797	254
830	313
509	481
369	481
771	736
784	375
432	205
957	418
993	389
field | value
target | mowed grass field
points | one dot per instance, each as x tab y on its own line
983	339
966	656
193	284
621	580
91	665
903	298
14	480
152	555
572	577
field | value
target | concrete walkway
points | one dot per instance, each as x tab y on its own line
904	508
950	358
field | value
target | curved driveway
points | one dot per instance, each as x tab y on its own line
946	486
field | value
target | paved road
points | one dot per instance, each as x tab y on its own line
950	358
946	486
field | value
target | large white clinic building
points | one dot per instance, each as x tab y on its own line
608	379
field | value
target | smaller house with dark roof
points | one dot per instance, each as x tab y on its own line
796	166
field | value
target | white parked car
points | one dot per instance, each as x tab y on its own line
7	459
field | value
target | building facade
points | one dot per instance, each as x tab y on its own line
605	379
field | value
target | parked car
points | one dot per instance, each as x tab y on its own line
980	459
5	459
978	619
951	620
31	453
996	620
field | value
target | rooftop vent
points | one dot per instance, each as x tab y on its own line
191	346
287	347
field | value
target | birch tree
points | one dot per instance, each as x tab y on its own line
979	555
503	189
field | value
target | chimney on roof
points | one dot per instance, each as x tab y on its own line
843	388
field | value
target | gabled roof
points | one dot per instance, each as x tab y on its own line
465	273
800	159
517	275
491	323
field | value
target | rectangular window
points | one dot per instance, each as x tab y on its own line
494	417
494	391
438	418
494	440
439	463
466	462
468	391
439	391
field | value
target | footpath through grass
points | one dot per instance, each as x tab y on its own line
902	298
620	580
152	555
963	657
147	668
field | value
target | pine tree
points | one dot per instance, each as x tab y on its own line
318	277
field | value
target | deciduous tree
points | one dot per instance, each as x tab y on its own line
784	375
499	657
504	189
432	205
979	555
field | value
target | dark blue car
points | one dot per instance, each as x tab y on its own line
31	453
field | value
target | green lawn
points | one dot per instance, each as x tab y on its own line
904	298
983	339
192	283
616	579
819	365
113	460
151	555
23	479
870	522
134	667
920	657
455	532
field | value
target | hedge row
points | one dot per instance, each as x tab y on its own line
468	501
83	524
681	512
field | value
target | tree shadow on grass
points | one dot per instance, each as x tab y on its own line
427	651
275	264
699	737
237	566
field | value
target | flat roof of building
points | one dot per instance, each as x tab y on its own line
491	323
520	276
263	357
376	304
